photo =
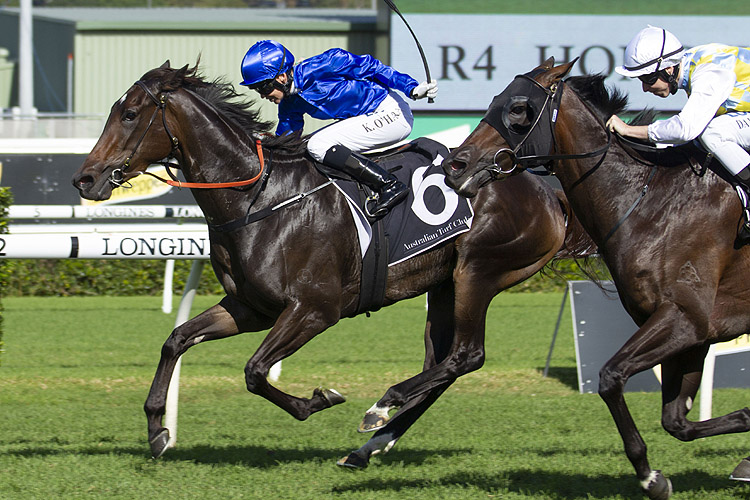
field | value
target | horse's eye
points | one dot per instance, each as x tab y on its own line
518	110
129	115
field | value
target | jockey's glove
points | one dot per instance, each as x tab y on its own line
425	89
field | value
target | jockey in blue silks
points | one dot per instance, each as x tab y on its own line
357	91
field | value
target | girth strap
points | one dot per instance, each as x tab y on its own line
374	273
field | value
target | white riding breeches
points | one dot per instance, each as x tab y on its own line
391	122
727	136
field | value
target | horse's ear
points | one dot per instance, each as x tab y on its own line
548	64
165	65
174	79
565	68
557	73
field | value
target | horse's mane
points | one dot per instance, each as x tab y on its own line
606	102
591	89
233	106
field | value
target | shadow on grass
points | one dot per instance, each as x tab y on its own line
552	485
259	457
249	456
567	376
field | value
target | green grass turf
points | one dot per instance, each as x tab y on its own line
76	372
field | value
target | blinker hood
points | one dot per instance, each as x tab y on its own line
524	114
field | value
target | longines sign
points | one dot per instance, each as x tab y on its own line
474	56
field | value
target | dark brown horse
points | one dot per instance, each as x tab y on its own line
298	271
666	234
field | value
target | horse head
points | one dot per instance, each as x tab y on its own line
515	131
134	136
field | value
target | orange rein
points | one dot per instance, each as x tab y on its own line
218	185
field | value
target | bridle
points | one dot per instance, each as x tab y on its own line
117	176
552	95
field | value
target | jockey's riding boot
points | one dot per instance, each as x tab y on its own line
743	190
389	190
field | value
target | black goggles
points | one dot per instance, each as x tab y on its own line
265	87
650	78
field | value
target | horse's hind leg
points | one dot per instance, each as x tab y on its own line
222	320
681	377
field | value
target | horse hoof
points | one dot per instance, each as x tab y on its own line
742	471
353	461
160	443
331	396
657	487
372	422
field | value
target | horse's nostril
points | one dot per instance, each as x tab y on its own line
83	181
457	165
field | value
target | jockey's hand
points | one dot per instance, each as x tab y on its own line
425	89
616	125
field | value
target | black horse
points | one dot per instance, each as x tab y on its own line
298	271
667	235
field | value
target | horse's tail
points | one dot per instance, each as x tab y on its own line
577	246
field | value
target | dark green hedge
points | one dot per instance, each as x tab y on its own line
100	277
135	277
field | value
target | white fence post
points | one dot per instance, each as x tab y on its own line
166	299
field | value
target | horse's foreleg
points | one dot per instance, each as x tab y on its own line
653	343
220	321
438	340
386	436
466	352
681	377
294	328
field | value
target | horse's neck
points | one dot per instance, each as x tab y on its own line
213	150
603	188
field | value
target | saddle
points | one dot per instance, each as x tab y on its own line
701	161
431	214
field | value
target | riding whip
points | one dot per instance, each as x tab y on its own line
419	46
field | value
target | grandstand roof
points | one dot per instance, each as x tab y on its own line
172	19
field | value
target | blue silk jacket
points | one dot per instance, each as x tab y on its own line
336	85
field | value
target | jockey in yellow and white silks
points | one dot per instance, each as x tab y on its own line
716	79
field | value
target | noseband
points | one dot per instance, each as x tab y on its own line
118	174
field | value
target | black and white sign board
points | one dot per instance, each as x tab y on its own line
601	326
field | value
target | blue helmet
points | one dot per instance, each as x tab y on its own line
265	60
